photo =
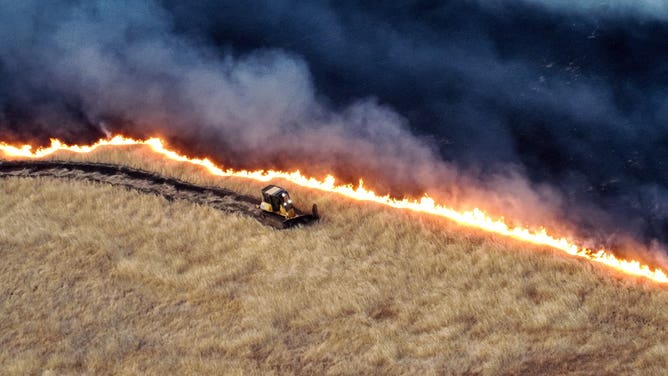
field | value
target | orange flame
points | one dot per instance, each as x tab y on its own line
474	218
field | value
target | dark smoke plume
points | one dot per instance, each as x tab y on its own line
541	110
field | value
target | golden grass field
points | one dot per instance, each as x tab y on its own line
101	280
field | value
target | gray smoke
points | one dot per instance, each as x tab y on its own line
75	63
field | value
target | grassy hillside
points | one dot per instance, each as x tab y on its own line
96	279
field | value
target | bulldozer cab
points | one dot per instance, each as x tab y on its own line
277	197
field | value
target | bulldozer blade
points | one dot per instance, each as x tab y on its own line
303	219
299	220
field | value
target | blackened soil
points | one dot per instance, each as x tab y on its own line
144	182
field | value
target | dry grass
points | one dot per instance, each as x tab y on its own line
99	280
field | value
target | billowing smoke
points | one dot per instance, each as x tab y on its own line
76	69
537	115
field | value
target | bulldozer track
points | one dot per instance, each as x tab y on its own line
141	181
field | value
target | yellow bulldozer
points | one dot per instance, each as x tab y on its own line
277	201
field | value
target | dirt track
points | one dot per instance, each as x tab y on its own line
142	181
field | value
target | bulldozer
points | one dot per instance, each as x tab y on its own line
277	201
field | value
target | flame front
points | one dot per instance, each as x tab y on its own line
474	218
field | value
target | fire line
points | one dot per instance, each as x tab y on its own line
475	218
